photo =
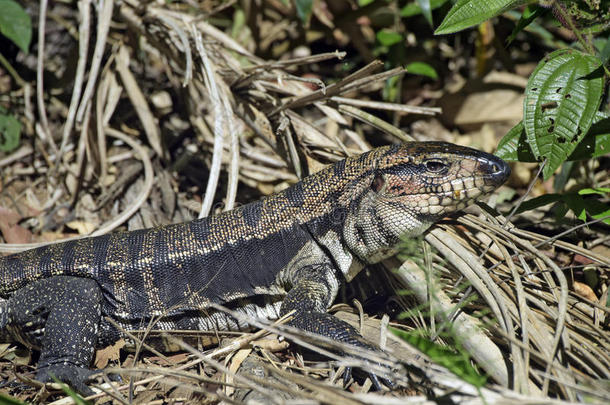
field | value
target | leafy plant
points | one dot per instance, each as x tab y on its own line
458	362
561	117
15	24
10	132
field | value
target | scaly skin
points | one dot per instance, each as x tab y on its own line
286	252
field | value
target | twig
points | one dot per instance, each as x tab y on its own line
83	49
219	124
103	24
44	122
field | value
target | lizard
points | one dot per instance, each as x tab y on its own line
286	252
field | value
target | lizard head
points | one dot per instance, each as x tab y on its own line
414	185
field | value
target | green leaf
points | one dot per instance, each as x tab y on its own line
604	53
10	133
562	97
414	8
426	10
575	202
304	9
597	141
530	13
388	38
597	190
538	202
513	147
589	207
457	362
421	68
363	3
15	24
466	13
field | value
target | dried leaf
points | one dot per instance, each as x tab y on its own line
584	291
113	352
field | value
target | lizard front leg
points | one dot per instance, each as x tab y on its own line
310	296
60	315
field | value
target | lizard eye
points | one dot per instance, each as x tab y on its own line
435	166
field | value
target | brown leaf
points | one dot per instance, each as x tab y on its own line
12	232
584	290
113	352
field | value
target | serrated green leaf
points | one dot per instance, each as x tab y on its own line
562	97
412	9
514	147
421	68
10	133
466	13
304	9
15	24
388	38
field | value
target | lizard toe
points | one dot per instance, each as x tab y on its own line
347	375
379	380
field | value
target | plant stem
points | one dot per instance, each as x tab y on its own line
12	71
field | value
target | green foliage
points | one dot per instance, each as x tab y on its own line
421	68
415	8
304	10
466	13
561	118
388	37
576	202
10	132
514	147
458	362
530	13
15	24
561	99
426	9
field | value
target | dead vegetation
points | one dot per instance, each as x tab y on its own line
147	113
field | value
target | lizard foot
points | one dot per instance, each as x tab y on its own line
375	379
73	375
